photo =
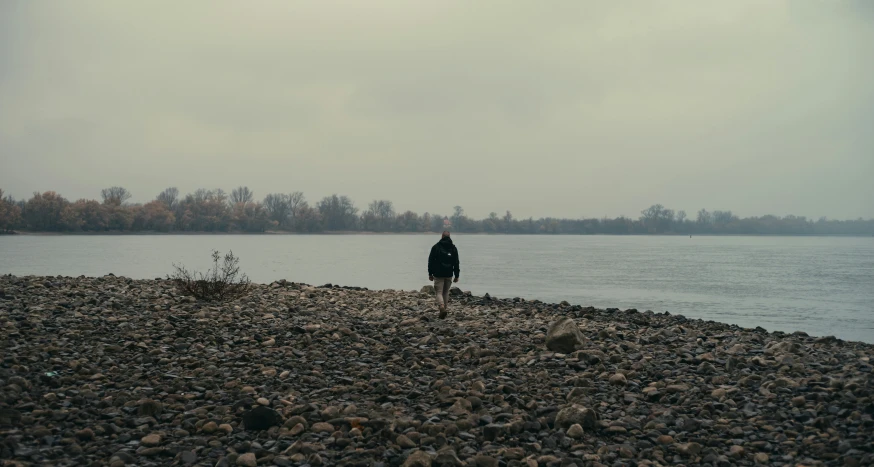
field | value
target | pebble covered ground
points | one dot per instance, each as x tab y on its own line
114	371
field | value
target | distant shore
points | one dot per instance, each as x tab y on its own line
281	232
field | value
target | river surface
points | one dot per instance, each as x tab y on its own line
820	285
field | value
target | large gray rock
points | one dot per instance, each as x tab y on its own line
564	336
576	414
428	289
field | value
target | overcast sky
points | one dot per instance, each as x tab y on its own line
556	108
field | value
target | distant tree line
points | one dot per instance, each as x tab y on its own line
217	211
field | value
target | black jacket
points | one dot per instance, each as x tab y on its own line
443	260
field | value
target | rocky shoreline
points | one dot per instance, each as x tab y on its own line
114	371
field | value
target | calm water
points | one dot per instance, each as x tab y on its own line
821	285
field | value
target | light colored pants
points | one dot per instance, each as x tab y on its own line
441	287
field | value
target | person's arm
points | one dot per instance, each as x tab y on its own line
457	265
431	263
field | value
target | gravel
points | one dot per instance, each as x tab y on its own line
114	371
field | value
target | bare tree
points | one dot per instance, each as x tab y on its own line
170	198
657	218
277	208
459	220
242	194
723	218
296	201
493	222
338	213
221	195
383	213
115	196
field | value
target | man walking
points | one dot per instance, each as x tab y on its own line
442	265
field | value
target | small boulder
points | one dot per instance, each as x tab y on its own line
485	461
447	456
428	289
261	418
564	336
576	414
461	407
323	427
405	442
575	431
151	440
297	429
618	380
418	459
86	434
492	431
689	449
247	460
150	408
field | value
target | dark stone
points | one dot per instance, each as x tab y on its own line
261	418
188	457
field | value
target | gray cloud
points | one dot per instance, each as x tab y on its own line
563	108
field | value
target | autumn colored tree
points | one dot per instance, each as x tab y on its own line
155	216
250	217
87	215
121	218
43	211
308	220
212	211
10	214
205	210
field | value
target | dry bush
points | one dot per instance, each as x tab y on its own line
219	284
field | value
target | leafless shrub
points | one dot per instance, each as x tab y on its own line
219	284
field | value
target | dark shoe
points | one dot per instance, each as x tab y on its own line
442	314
